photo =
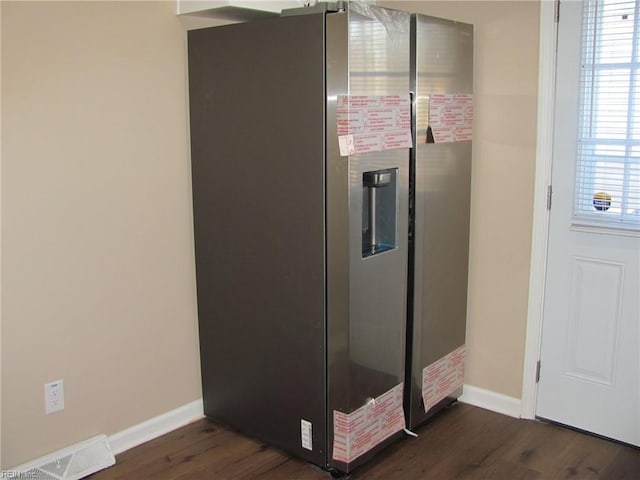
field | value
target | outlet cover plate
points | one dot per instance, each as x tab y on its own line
54	396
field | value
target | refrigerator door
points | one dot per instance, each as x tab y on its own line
442	63
257	101
367	221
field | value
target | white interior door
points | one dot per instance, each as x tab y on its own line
590	355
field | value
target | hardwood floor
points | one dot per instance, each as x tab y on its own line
462	442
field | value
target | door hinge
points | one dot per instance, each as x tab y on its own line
538	371
549	193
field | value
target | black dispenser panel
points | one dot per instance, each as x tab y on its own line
379	211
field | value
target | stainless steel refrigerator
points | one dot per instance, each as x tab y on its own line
301	277
300	146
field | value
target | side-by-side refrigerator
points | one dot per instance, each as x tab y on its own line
301	249
307	237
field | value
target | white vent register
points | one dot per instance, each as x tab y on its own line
72	463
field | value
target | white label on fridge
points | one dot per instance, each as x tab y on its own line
306	434
358	432
451	117
443	377
347	146
373	123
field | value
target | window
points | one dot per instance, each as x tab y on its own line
607	191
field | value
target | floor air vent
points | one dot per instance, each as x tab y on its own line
73	463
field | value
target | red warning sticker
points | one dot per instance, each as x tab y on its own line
370	123
358	432
443	377
451	117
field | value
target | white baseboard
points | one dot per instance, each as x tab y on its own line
496	402
124	440
156	426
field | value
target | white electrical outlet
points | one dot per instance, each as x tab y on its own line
53	397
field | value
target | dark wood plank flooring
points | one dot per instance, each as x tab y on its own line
462	442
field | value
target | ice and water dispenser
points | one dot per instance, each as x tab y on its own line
379	211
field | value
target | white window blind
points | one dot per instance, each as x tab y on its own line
607	191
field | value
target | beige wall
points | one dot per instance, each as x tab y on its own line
98	277
506	71
97	273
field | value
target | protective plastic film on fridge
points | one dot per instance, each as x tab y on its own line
442	82
300	139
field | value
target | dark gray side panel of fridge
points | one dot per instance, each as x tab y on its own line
257	145
443	65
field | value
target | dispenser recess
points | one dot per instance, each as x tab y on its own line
379	211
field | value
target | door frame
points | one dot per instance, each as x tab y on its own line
540	231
